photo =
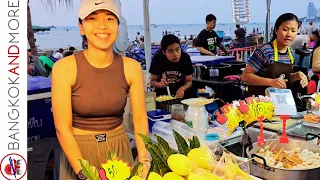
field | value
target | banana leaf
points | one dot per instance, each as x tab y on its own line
182	144
88	170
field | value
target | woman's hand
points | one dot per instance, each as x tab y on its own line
278	83
146	167
303	79
180	92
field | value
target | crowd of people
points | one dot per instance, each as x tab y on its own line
265	66
47	62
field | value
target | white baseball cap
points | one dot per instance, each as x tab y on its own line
89	6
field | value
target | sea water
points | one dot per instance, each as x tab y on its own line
70	36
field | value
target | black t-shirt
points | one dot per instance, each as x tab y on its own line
240	33
174	72
208	40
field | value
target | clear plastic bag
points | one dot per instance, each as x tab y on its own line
223	164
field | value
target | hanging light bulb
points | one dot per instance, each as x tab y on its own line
241	11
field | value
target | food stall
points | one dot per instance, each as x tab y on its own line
211	130
42	140
258	144
211	59
221	73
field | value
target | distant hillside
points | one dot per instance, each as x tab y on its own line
305	19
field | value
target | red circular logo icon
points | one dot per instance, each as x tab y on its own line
13	167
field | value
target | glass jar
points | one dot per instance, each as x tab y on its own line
177	112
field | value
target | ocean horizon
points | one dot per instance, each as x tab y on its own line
64	36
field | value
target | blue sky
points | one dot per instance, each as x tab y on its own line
171	11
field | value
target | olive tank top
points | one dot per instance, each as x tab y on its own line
99	95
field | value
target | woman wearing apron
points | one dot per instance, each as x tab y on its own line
271	64
89	94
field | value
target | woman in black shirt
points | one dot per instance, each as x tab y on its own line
171	67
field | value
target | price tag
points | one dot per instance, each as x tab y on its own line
283	101
116	170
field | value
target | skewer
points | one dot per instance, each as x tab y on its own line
246	161
273	142
279	153
273	148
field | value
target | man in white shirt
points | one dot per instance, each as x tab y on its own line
299	41
300	31
309	29
139	38
298	45
59	54
193	51
135	46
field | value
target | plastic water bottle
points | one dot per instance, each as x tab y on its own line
241	11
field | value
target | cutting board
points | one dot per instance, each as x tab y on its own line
276	127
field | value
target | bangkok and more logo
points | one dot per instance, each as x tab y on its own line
13	167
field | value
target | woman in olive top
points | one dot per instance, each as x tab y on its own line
274	59
89	94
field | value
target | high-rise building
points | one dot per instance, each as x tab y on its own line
312	11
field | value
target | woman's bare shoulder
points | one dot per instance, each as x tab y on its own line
130	61
65	64
132	69
66	68
131	64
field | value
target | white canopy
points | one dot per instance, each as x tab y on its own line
147	34
267	30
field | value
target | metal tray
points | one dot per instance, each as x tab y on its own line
301	131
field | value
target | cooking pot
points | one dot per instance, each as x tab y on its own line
215	71
305	102
198	70
270	173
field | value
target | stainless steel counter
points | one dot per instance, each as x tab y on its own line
297	132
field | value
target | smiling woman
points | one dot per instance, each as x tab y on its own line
274	60
89	94
101	38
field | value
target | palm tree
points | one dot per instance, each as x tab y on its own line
51	4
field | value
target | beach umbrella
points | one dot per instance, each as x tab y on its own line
147	34
267	30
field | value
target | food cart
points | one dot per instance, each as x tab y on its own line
302	145
42	140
